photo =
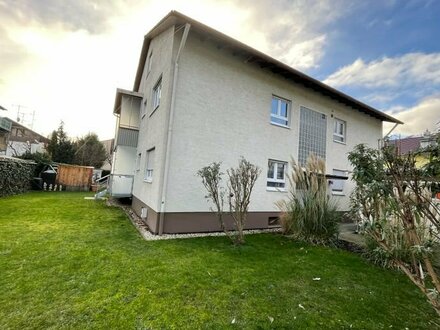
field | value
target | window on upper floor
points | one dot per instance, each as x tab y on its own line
276	174
157	91
280	111
339	131
149	165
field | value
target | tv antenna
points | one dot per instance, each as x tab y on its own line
25	117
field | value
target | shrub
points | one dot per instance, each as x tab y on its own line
309	214
401	221
15	176
241	181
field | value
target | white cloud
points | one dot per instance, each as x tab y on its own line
394	72
67	63
423	116
294	32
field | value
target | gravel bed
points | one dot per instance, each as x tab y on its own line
143	229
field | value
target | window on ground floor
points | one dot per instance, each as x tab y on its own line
149	166
276	174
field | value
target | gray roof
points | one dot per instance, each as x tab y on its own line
256	57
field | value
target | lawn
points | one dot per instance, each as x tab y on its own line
66	262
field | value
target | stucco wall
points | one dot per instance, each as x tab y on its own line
17	148
223	112
153	124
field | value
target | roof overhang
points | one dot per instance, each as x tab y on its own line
252	55
118	98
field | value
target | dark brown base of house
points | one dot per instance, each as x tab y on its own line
199	222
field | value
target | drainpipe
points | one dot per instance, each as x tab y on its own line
170	129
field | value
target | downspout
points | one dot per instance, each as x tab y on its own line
170	129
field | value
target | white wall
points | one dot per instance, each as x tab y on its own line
124	160
16	148
223	112
154	125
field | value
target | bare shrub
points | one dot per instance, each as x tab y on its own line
241	181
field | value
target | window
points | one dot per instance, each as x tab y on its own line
339	131
337	185
276	174
150	62
138	161
273	221
157	90
280	111
312	135
149	166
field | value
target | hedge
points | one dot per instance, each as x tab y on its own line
15	175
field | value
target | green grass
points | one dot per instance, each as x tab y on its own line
66	262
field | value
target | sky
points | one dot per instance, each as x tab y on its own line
63	60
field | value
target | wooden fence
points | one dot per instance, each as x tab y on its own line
74	177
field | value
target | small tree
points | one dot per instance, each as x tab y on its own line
211	179
90	151
60	148
241	181
393	199
240	185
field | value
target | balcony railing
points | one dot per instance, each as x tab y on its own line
5	124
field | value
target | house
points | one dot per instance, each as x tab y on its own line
200	96
22	139
5	128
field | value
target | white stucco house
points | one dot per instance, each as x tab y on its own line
21	139
200	96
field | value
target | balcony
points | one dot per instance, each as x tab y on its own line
5	124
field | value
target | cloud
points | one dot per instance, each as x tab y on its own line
293	31
91	16
389	72
390	82
423	116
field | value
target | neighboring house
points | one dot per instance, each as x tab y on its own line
5	129
200	96
413	144
22	139
406	145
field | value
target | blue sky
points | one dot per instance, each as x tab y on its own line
384	30
65	59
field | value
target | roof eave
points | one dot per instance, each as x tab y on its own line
118	98
175	17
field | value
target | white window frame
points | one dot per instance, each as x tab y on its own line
337	185
336	133
275	179
156	94
280	101
149	165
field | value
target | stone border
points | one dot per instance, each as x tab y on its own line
143	229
